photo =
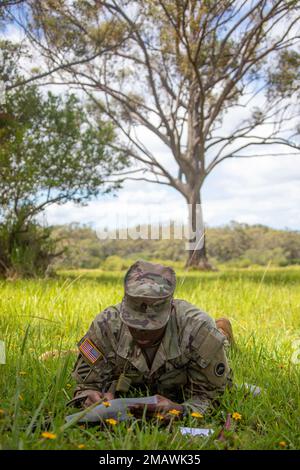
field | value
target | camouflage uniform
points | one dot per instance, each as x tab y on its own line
190	365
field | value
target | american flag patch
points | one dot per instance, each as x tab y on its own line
89	350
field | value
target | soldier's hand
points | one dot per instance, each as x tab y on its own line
163	406
93	396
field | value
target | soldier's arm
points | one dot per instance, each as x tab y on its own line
208	372
94	367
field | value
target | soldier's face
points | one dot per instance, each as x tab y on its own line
146	338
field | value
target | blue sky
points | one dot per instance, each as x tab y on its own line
262	190
259	190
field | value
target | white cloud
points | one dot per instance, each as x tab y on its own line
264	190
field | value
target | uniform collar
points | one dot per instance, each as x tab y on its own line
168	348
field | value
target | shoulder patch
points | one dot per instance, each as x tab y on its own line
90	351
212	340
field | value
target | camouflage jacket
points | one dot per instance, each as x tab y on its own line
190	365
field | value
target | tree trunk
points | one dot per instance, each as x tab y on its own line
197	256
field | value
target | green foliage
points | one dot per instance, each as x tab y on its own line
114	263
177	69
51	151
255	244
27	251
284	76
238	245
76	38
10	55
39	316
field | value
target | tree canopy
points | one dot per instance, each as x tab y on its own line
212	80
237	245
52	151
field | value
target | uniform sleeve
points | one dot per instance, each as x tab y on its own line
94	367
208	371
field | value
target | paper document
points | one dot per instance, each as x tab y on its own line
196	431
116	410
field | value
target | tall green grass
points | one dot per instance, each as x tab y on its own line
44	315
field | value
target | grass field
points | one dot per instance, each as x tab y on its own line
41	315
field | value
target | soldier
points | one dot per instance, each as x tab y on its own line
154	343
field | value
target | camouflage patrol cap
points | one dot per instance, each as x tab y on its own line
148	295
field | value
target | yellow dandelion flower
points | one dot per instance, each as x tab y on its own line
237	416
81	446
196	414
106	403
282	444
159	416
111	421
174	412
49	435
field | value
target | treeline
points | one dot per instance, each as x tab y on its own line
235	244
